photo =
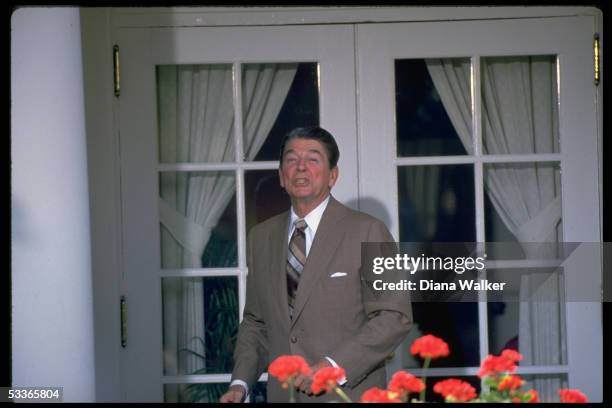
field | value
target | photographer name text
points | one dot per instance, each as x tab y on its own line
430	285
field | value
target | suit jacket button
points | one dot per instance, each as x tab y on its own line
293	339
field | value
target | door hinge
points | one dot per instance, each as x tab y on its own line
123	308
596	66
116	71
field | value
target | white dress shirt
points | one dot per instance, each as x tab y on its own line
312	219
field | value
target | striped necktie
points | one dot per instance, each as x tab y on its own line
296	258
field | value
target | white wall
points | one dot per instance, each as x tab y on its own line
52	320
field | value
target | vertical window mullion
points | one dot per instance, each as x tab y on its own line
483	326
240	200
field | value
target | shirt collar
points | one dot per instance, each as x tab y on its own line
313	218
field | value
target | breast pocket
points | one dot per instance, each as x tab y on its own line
341	292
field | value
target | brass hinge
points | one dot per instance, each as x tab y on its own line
123	308
596	66
116	70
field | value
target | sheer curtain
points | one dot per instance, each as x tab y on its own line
196	118
520	115
422	185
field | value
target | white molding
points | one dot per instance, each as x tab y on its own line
483	307
497	158
599	107
237	16
203	379
201	273
105	200
230	166
472	371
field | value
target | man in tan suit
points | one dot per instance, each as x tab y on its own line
315	304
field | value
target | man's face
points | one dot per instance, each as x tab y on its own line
305	172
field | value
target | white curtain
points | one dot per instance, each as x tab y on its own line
520	115
422	186
196	116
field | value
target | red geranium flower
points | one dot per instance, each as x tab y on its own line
286	367
510	382
569	395
327	378
455	390
496	365
375	394
512	355
533	396
429	346
405	383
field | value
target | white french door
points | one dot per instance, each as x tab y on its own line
200	113
517	143
196	110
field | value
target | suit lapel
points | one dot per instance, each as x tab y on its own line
323	248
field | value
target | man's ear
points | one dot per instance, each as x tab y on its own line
333	177
280	177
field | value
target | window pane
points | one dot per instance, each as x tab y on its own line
433	107
196	113
522	206
535	325
200	324
275	99
198	219
436	203
520	105
454	322
523	203
264	197
431	396
547	385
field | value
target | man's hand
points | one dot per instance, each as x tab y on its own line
304	382
236	393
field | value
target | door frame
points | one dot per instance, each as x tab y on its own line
99	29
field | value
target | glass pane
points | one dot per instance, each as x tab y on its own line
431	396
200	324
535	325
275	99
198	219
196	113
547	385
208	392
520	107
264	197
436	203
523	204
433	107
454	322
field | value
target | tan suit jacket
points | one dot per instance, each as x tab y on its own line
334	317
